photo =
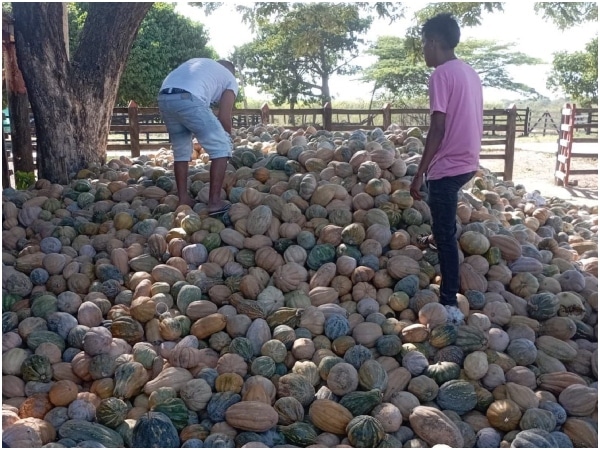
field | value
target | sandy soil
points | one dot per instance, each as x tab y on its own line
534	168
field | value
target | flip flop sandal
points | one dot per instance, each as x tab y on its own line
223	210
424	241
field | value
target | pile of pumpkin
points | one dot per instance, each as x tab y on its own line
306	315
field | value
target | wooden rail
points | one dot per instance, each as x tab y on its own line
134	129
565	153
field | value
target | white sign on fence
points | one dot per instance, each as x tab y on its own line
581	119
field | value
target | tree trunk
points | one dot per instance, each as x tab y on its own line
325	92
72	101
18	107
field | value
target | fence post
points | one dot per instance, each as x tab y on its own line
527	119
134	128
509	151
387	115
264	114
327	117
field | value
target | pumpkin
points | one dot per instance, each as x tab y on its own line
504	415
329	416
457	395
342	379
434	427
364	431
251	416
154	430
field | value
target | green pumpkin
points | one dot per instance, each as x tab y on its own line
470	338
282	244
82	185
242	346
39	337
372	375
52	205
348	250
130	378
300	434
174	409
191	223
542	306
457	395
306	239
85	199
411	216
534	438
219	403
263	366
80	430
443	335
155	430
443	371
146	227
319	255
245	257
37	368
165	183
186	295
360	402
365	432
44	305
111	412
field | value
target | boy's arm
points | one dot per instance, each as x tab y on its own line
225	109
436	133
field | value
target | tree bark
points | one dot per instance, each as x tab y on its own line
18	107
72	101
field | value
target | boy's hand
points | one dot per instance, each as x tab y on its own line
415	186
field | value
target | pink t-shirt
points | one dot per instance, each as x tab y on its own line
455	89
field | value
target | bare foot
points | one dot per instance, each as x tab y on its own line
187	200
219	207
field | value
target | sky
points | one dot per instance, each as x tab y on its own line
518	24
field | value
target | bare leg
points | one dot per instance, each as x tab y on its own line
217	177
181	175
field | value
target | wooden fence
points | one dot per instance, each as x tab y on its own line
573	119
134	129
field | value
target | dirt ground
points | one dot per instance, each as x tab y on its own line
534	168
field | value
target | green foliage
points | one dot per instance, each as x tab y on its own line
467	14
567	14
577	74
165	39
403	73
295	53
24	180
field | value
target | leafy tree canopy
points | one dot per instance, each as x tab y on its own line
577	74
294	56
567	14
404	74
165	40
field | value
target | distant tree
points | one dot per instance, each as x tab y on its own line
404	73
567	14
165	40
577	74
294	57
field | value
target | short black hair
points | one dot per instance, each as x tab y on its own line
444	27
228	64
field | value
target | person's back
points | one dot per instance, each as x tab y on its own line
455	90
202	77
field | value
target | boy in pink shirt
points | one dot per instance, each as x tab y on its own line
451	154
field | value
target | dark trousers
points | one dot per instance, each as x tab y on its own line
442	200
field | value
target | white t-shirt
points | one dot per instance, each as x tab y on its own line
203	77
